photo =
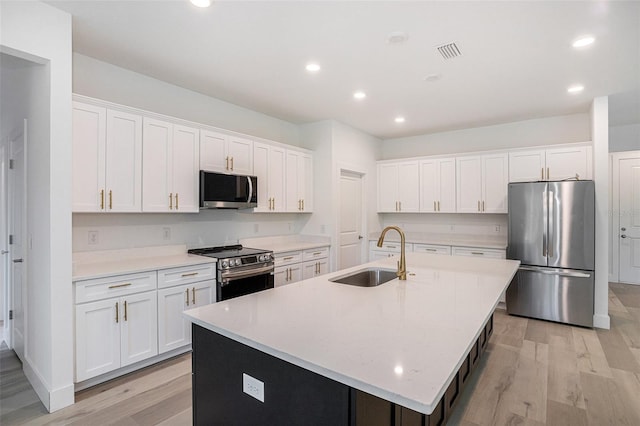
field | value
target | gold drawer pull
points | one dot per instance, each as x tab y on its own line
478	253
317	253
177	205
120	285
288	258
191	274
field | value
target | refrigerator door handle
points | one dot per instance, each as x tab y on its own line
552	233
558	273
544	225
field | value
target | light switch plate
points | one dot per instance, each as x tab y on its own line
253	387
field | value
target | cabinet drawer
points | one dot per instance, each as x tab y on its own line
115	286
186	275
431	248
288	258
479	252
315	253
391	246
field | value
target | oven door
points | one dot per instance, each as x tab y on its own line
237	283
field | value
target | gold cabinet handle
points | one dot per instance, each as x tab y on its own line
102	199
547	173
193	295
187	291
438	205
177	206
117	314
483	206
125	310
288	258
191	274
227	163
400	204
478	205
273	204
541	173
477	253
171	201
231	163
303	204
119	285
317	253
434	206
110	199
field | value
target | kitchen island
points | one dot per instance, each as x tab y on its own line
319	352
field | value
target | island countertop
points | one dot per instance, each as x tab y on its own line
402	341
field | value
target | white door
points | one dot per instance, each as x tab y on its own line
213	147
428	186
495	181
468	184
240	153
447	185
277	160
567	163
408	187
185	162
527	166
88	140
173	329
17	246
387	188
139	327
350	238
261	170
157	163
629	233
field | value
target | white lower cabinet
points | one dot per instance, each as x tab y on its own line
114	333
300	265
479	252
431	248
390	249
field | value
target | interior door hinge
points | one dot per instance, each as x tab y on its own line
10	239
10	164
11	314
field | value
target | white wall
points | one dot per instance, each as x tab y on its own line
600	135
42	34
102	80
541	131
624	138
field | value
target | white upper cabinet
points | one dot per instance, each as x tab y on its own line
223	153
438	185
107	160
551	164
398	187
269	167
481	183
170	175
299	182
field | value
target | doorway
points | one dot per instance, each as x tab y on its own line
626	218
351	219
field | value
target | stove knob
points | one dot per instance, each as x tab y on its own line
225	263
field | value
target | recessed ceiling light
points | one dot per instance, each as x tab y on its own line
399	120
397	37
359	95
312	67
201	3
575	88
584	41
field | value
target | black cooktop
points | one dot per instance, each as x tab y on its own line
226	251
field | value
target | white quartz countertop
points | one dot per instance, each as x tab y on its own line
98	269
295	246
402	341
287	243
462	240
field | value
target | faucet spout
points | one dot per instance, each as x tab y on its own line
402	263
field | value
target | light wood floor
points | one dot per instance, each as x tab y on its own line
533	373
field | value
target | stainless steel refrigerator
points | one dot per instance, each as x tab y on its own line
552	233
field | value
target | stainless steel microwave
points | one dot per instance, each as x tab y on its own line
220	191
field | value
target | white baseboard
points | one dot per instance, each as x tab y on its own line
602	321
37	382
61	398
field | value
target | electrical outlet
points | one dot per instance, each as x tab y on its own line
166	233
256	228
497	228
93	237
253	387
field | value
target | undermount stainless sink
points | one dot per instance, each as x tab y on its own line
369	277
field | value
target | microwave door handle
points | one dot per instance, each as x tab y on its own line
250	189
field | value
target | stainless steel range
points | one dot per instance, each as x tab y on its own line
240	270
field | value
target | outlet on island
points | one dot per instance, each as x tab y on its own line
93	237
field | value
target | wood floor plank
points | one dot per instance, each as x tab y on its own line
565	415
629	385
615	304
616	350
603	401
509	330
564	378
589	352
185	418
164	410
528	394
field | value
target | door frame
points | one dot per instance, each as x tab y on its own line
354	170
614	209
5	333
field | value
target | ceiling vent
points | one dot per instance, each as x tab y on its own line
449	50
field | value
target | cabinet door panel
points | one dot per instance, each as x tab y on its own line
261	171
123	162
387	188
139	331
526	166
428	186
89	123
291	182
277	159
185	162
241	152
213	151
447	186
281	276
173	329
468	184
305	182
495	182
156	160
408	187
566	163
97	339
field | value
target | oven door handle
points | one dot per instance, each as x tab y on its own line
229	276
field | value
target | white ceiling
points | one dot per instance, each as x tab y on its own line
517	60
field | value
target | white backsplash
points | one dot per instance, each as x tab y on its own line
104	231
460	223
